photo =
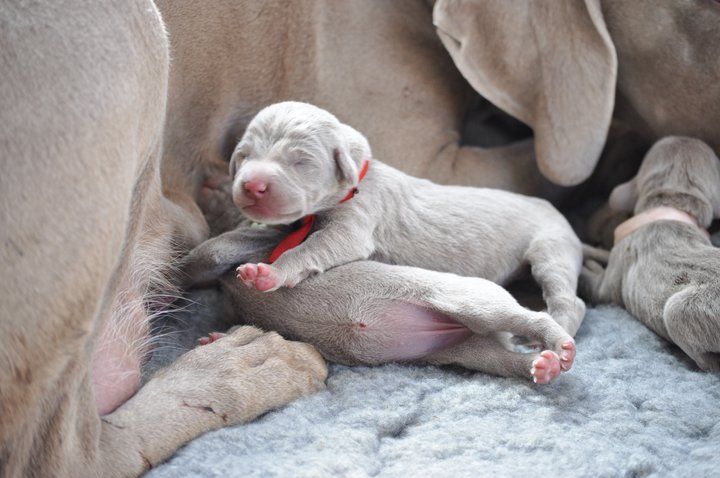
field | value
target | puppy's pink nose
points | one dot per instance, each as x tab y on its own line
255	189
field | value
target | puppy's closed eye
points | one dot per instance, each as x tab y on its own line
302	163
235	162
297	161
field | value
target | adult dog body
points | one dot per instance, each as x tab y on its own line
85	229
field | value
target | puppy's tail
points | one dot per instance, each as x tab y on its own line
692	320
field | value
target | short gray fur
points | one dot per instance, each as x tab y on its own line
667	273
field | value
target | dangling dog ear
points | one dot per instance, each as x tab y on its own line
550	64
353	150
624	197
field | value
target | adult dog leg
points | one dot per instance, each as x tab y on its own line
233	380
83	102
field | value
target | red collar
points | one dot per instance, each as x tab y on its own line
297	237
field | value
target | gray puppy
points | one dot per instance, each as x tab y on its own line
298	161
367	312
663	268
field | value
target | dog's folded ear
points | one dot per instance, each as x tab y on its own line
353	149
624	197
346	166
550	64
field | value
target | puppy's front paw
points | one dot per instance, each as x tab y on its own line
262	277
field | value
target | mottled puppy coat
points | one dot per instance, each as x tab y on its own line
666	272
296	159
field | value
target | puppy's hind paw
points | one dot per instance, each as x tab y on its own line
567	355
546	367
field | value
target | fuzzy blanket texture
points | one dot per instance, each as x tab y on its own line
633	405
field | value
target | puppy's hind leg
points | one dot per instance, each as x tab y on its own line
486	308
555	263
487	353
692	320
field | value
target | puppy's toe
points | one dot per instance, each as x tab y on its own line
546	367
267	278
247	273
567	355
212	337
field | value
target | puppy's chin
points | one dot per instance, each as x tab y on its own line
263	215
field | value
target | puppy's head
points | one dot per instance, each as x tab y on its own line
294	159
678	172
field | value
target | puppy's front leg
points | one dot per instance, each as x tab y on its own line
330	247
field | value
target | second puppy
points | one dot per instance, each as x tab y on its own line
663	268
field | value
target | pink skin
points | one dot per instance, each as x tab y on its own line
253	191
261	276
116	356
567	356
548	365
256	201
212	337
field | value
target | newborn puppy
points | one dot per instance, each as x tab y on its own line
663	268
367	312
296	161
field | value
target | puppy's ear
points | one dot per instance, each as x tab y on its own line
353	150
345	164
624	196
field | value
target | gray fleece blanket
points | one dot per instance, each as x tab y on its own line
633	405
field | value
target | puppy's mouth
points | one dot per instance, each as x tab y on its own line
261	213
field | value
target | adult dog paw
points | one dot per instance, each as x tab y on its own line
242	375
